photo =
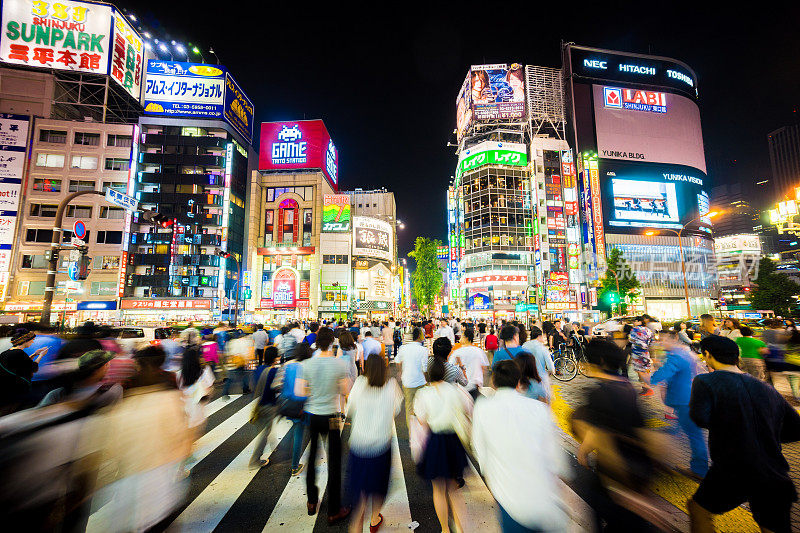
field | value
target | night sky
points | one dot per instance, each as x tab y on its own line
386	84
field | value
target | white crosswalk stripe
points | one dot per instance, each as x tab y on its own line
210	507
219	403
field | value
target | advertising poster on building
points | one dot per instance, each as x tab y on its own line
335	213
127	56
372	238
648	126
284	288
238	108
497	91
178	89
301	144
13	140
479	300
62	35
463	108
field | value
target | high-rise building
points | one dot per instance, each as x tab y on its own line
634	124
740	217
784	155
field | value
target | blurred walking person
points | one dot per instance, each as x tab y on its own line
640	338
266	407
291	404
441	351
260	340
323	383
522	460
747	422
413	361
472	361
372	405
16	371
444	412
239	351
677	373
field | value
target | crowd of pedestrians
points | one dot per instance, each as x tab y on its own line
95	429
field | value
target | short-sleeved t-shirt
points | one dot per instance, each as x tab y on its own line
506	353
323	375
748	347
473	359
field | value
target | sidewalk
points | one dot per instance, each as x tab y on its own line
675	489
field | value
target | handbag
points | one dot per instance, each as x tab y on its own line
417	438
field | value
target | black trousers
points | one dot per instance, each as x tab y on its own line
260	356
320	425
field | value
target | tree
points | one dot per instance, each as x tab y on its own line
628	284
426	280
773	290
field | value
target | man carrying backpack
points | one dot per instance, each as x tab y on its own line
266	407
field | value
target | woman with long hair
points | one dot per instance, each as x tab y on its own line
444	411
530	382
731	328
372	405
349	353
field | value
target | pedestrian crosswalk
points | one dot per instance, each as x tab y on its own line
224	494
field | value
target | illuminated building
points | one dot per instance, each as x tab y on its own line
784	155
191	166
634	124
736	267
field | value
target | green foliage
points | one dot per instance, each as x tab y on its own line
426	280
628	284
774	291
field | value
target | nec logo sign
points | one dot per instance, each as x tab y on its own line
635	100
595	63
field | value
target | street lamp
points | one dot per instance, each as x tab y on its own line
227	255
679	234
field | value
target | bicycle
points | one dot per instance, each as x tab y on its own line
568	361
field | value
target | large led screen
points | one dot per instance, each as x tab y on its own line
637	196
463	108
647	126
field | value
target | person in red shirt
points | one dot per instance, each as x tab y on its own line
491	344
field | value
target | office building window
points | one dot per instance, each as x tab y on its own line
110	237
116	213
43	210
87	139
335	259
38	235
50	160
46	185
66	236
120	141
120	186
80	185
53	136
106	262
79	211
84	162
103	288
33	261
269	226
116	163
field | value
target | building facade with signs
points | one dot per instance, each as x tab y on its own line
737	258
295	198
634	124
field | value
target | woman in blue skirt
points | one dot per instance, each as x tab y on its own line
442	408
372	405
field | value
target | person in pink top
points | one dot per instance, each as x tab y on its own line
210	351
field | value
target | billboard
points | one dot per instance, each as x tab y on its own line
497	91
372	238
296	145
238	108
13	141
647	126
179	89
127	57
491	153
62	35
479	300
284	288
464	108
335	213
638	196
744	243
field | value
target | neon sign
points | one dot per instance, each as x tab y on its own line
636	100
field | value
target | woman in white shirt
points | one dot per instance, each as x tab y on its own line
444	410
374	402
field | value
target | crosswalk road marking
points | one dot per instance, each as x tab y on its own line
209	508
212	505
219	403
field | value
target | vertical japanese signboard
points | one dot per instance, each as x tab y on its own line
127	56
238	109
63	35
13	141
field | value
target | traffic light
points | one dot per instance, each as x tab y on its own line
157	218
83	266
612	297
222	253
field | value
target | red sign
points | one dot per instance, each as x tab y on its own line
266	303
305	287
121	280
303	304
300	250
299	144
497	278
284	288
165	304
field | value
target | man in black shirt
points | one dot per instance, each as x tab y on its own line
16	371
747	421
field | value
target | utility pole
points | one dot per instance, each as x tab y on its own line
55	248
